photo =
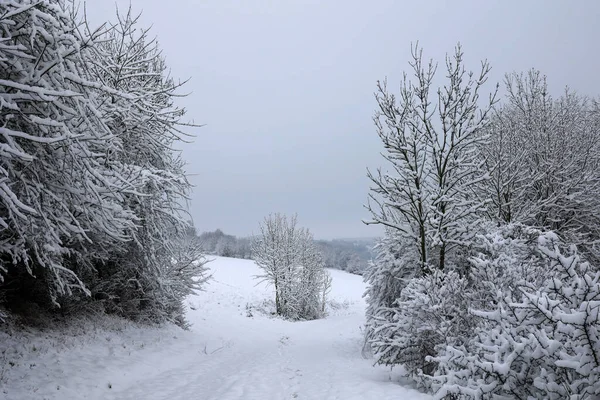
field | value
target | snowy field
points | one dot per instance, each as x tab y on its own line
234	350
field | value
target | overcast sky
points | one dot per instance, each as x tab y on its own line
285	89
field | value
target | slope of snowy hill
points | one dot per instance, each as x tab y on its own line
235	349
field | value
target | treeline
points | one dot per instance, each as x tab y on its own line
90	188
487	282
218	243
347	255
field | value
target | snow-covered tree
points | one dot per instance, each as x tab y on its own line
60	205
455	151
498	308
186	274
395	263
402	195
90	188
140	111
431	146
291	262
267	251
415	294
354	264
307	295
543	156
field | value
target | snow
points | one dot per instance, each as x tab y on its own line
227	354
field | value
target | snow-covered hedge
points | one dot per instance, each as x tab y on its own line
523	323
430	312
537	340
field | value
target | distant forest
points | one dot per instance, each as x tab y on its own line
350	255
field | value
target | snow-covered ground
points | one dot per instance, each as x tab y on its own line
234	350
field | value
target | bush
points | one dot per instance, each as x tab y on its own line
540	341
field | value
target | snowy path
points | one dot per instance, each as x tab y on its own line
264	358
228	355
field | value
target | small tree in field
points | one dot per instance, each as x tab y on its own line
267	254
291	262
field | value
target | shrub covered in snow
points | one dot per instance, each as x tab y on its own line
395	264
524	322
430	313
535	340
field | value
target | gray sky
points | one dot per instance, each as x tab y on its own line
285	89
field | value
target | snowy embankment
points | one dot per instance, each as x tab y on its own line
234	350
